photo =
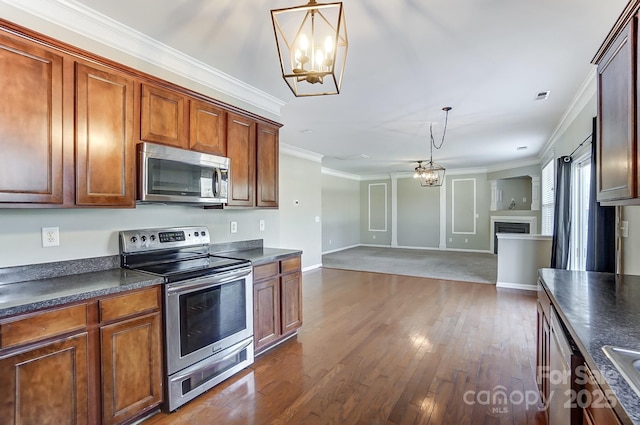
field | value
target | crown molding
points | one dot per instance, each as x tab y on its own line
587	90
511	165
463	171
77	18
341	174
300	153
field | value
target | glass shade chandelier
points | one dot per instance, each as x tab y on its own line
312	47
431	174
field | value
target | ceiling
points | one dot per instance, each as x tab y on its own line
407	59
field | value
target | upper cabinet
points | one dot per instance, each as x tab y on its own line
31	123
241	148
267	151
208	129
617	150
163	116
69	123
105	147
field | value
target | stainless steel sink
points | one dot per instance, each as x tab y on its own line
628	364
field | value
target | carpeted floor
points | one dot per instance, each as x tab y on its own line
451	265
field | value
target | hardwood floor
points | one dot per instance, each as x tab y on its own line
387	349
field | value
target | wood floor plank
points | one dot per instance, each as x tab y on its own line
385	349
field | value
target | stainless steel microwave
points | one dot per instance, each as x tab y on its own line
173	175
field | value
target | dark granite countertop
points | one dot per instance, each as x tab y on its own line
259	256
32	295
600	309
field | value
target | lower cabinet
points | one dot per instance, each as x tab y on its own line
277	299
95	362
46	384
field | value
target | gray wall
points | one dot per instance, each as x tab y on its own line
340	212
462	212
375	212
418	214
518	191
86	233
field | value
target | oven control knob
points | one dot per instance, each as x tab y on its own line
196	234
203	234
143	238
134	239
152	237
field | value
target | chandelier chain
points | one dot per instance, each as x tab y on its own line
444	131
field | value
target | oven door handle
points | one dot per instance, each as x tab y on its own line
235	349
208	281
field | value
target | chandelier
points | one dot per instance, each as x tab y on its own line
312	47
432	174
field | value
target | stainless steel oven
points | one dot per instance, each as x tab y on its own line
208	307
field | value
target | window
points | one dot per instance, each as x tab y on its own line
547	184
581	184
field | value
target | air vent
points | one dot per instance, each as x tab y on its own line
522	148
543	95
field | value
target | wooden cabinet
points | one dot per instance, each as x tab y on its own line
105	149
207	128
131	353
253	148
31	123
241	149
76	364
163	116
267	151
46	384
599	411
617	131
277	298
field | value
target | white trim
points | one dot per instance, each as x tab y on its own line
374	177
482	251
76	17
341	174
453	207
313	267
422	248
520	286
376	245
465	171
532	220
513	165
385	207
300	153
394	210
443	216
524	236
340	249
587	90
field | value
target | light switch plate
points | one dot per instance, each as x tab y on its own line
234	227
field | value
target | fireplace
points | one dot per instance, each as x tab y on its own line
507	227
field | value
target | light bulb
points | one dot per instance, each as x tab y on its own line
297	57
319	58
328	45
304	43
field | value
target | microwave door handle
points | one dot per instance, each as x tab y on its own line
218	183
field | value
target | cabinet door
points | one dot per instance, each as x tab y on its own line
241	149
266	314
207	129
131	368
163	116
46	385
291	302
542	355
30	123
105	150
616	143
267	166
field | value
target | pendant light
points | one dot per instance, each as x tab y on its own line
432	174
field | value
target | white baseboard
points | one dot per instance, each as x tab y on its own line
521	286
313	267
340	249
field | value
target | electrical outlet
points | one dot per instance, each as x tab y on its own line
624	229
50	236
450	239
466	241
262	225
234	227
374	236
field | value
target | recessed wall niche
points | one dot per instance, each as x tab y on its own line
515	193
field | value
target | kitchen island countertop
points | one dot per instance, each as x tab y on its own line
600	309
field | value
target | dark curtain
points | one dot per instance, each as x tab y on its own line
601	235
562	215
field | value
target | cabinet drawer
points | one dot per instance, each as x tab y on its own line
599	411
40	326
129	304
265	271
290	265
